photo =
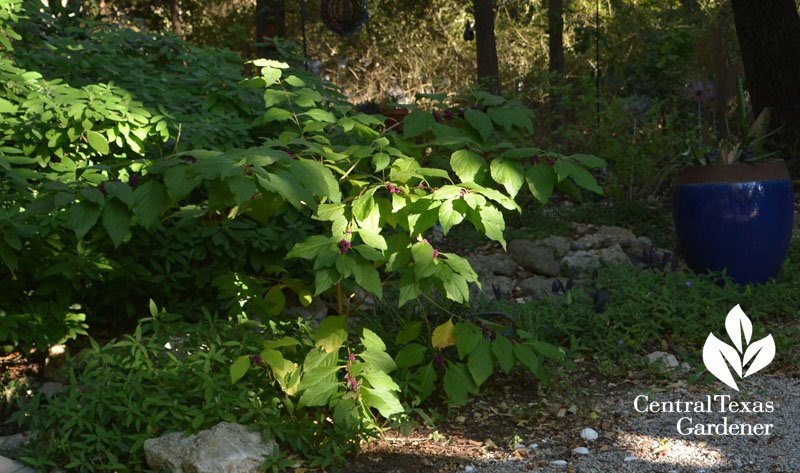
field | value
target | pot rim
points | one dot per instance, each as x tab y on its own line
770	170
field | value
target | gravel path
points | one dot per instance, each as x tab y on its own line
650	442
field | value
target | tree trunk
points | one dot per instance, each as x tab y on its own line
270	21
769	40
177	24
555	16
488	74
555	10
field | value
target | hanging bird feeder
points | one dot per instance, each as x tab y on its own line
344	17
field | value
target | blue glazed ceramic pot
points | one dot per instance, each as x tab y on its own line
736	217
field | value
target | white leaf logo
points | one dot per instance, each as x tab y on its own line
717	355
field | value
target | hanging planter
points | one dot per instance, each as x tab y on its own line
344	17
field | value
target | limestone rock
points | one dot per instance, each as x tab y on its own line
589	434
607	236
492	286
613	255
225	448
664	359
496	263
558	244
638	247
50	389
536	287
534	258
9	444
581	263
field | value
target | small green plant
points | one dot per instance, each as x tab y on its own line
169	376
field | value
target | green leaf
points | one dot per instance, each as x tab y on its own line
526	356
93	194
481	362
364	204
311	247
585	179
522	117
410	355
480	121
378	360
316	357
178	184
563	168
280	343
408	333
317	394
385	402
331	333
493	223
239	368
503	350
448	216
509	174
219	196
408	288
317	178
322	373
467	337
541	178
458	383
9	256
97	141
455	285
381	381
270	75
345	265
285	184
7	107
424	380
502	117
546	349
153	308
345	414
149	200
321	115
590	161
82	217
242	188
380	161
273	358
116	220
467	164
121	191
368	252
324	279
276	114
367	277
417	123
372	341
461	266
372	238
12	239
424	264
569	188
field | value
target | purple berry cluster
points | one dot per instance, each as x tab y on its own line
349	379
393	189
